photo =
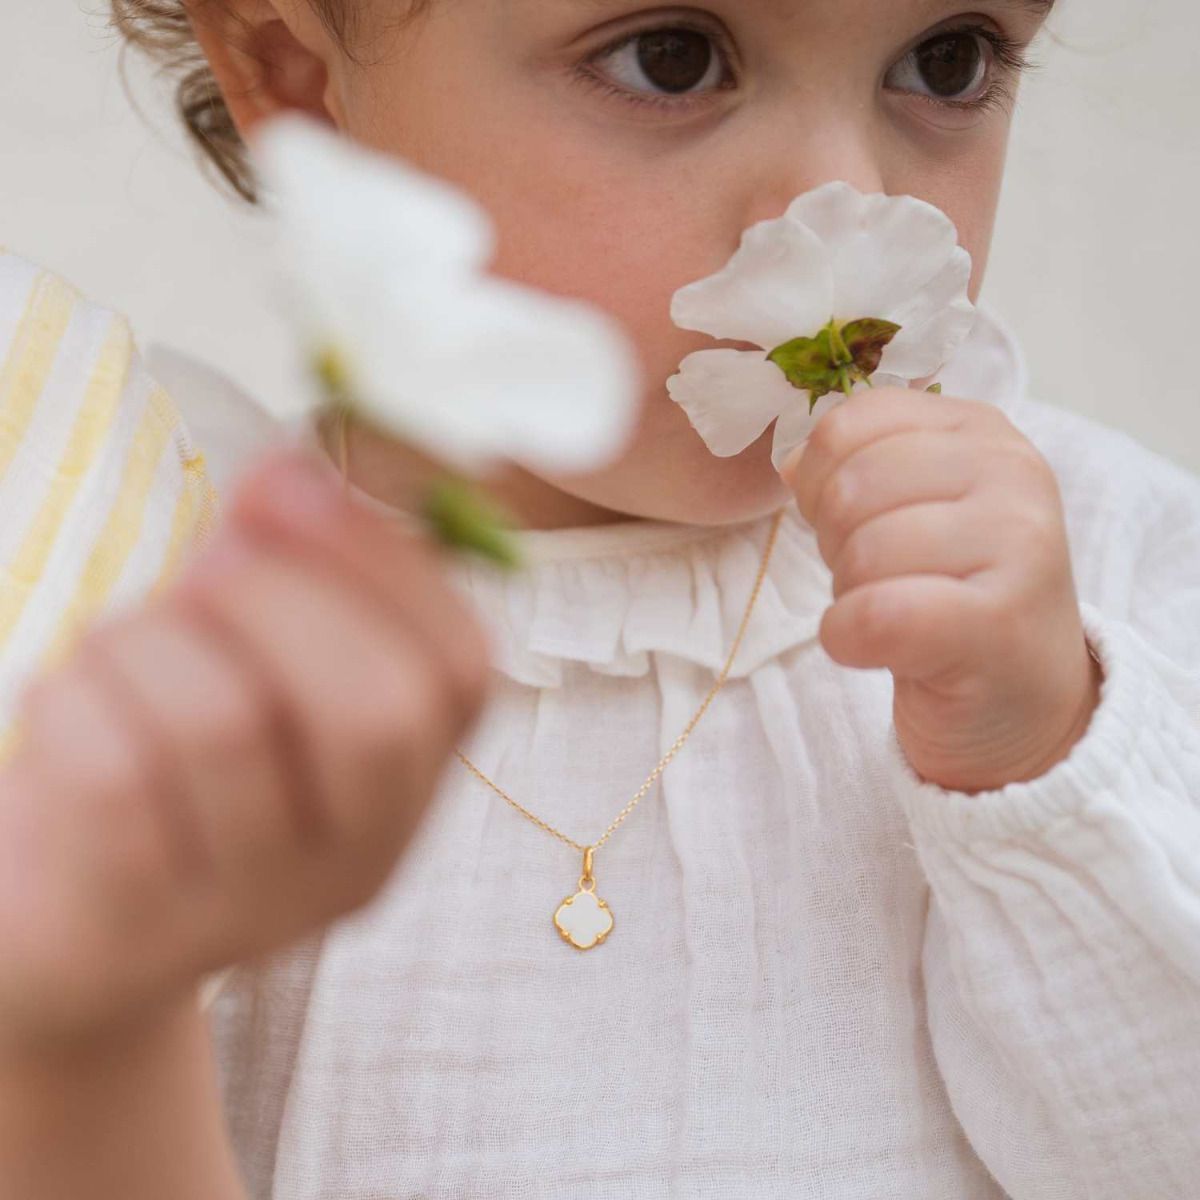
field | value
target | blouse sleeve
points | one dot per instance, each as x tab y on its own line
101	487
1062	951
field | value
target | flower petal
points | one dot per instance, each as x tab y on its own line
946	285
409	385
776	286
561	376
936	321
795	426
884	250
731	396
833	211
376	212
501	371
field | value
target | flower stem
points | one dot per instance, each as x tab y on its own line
456	514
341	413
841	352
461	518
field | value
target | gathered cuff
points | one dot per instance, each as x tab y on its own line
1115	760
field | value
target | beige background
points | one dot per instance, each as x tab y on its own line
1095	263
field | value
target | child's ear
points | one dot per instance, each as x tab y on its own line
267	56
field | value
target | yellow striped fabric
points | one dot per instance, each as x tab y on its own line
101	488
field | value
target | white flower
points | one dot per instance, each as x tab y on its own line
386	267
835	255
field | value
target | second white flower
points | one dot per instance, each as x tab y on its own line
835	257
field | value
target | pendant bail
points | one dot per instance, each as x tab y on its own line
587	881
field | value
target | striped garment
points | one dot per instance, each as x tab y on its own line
101	488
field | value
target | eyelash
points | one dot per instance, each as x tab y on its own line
1008	53
1005	51
587	72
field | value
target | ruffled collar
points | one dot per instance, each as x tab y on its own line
608	598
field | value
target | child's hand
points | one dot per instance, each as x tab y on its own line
233	766
944	529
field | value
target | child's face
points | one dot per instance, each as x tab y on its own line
623	147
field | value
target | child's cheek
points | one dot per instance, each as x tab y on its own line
631	268
970	199
630	262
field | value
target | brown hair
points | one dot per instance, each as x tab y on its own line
162	31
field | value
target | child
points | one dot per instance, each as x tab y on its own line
912	911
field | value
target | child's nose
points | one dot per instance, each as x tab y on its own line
805	152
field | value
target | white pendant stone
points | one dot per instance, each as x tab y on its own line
584	920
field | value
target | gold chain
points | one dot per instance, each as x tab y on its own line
679	742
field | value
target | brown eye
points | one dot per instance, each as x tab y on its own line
675	60
671	62
954	66
951	65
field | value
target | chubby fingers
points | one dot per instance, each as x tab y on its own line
920	627
368	703
208	732
295	503
293	702
869	417
100	863
236	763
375	663
939	520
948	538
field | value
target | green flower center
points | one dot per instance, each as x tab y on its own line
841	355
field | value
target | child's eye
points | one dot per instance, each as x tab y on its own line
659	64
956	67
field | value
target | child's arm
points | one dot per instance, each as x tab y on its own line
132	1117
1058	822
204	781
1062	955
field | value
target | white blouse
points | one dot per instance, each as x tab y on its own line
826	978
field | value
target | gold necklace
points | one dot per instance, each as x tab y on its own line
584	920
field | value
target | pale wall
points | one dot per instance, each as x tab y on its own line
1095	254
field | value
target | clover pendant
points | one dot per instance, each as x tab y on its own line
584	920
